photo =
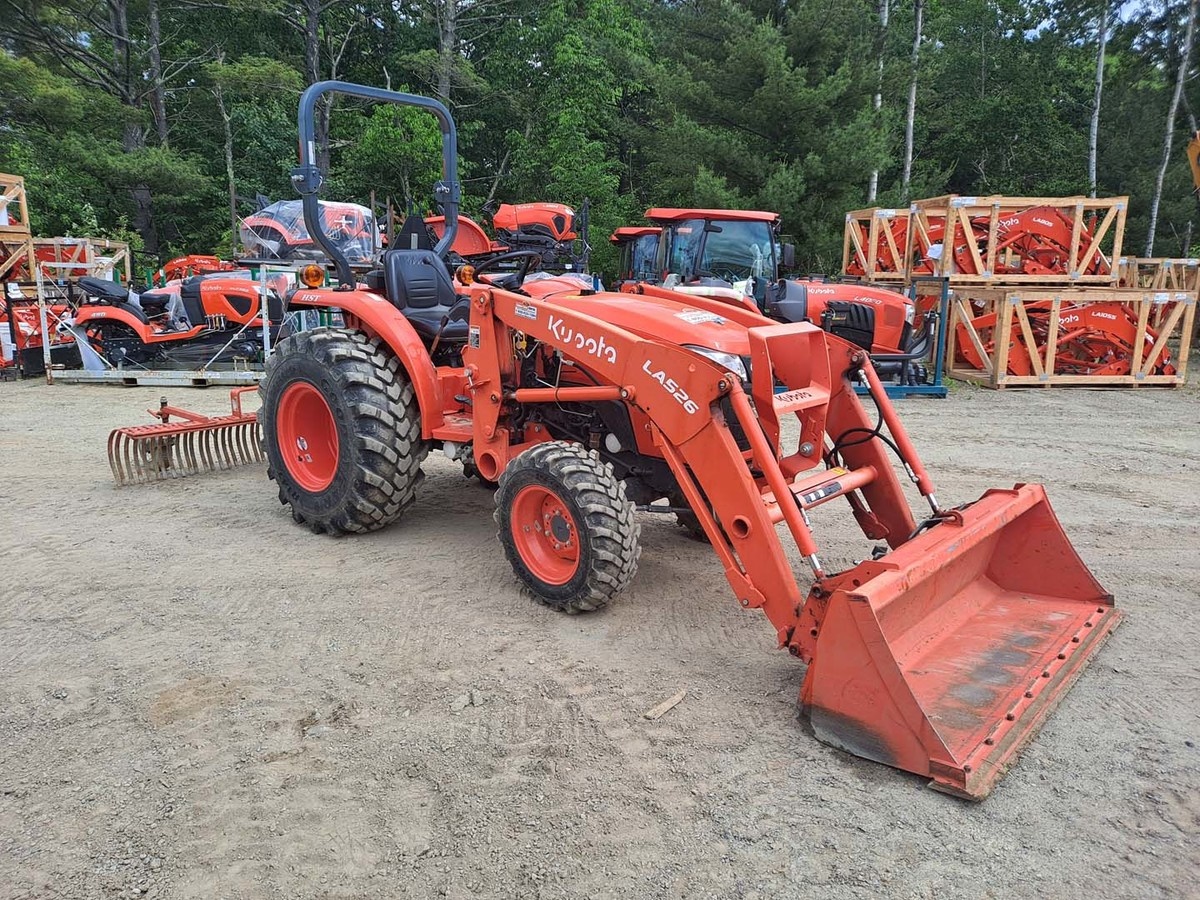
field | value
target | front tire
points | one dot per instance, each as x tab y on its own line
567	527
342	431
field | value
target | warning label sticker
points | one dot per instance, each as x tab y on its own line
526	311
699	316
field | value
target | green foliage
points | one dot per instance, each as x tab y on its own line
626	103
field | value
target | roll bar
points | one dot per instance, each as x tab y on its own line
308	176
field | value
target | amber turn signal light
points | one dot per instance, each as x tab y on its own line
313	276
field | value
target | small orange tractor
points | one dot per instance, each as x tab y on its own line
203	319
940	653
556	230
278	231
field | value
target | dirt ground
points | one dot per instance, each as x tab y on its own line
199	699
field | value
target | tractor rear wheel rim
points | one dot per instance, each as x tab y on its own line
545	534
308	437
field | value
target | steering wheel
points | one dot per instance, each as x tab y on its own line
513	280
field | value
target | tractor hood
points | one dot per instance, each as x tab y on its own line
664	320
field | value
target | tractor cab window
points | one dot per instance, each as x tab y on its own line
740	250
729	251
683	248
640	255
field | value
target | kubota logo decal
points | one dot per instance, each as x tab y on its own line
793	396
671	386
576	340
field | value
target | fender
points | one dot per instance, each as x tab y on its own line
101	312
380	319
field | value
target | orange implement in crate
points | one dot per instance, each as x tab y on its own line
193	445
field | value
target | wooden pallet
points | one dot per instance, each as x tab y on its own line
1087	263
1011	306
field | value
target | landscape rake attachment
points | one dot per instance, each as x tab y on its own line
193	445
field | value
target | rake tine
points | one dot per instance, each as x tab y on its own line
176	449
196	459
131	464
224	458
113	440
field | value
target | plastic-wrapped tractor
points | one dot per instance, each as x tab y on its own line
940	654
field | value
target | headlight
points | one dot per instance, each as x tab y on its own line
729	361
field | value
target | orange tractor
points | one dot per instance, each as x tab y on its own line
203	319
556	230
941	653
737	256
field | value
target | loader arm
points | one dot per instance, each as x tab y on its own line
942	656
739	498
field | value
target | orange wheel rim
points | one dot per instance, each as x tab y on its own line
308	437
545	535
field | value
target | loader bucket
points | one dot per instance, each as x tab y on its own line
945	656
191	446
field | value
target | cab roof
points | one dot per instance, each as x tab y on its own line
633	232
671	214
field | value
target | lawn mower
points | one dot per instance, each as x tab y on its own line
940	654
736	256
201	320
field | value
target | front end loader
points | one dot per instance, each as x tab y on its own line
940	654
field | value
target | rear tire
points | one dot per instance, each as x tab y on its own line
342	431
567	527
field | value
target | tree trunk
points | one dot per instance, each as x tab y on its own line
885	8
1185	59
919	15
158	97
227	127
447	47
133	137
311	10
1094	130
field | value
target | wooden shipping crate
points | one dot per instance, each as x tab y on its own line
1160	274
875	244
991	330
69	258
16	242
1017	240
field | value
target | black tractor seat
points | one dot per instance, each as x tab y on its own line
104	290
418	284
